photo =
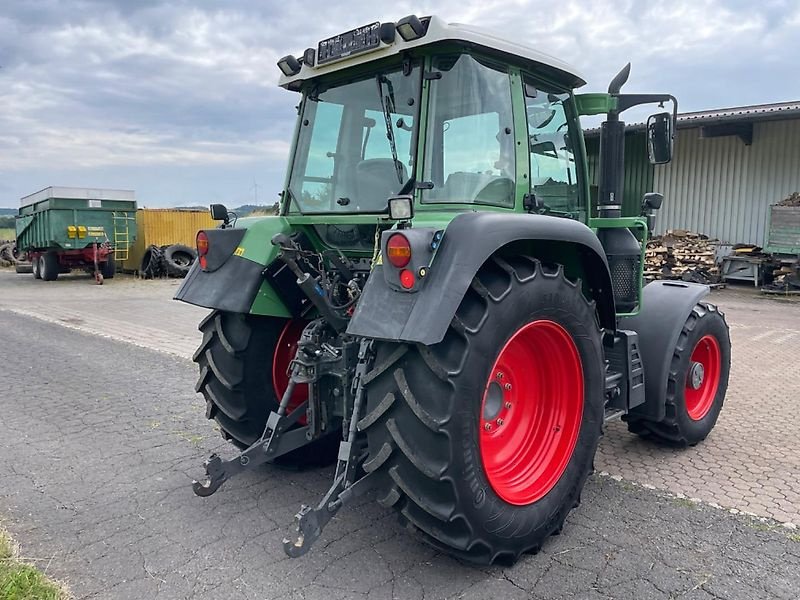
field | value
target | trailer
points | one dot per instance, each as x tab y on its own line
60	229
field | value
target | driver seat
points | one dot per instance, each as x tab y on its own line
376	180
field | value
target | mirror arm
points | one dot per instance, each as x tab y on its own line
626	101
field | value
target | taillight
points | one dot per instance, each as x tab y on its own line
407	279
202	248
398	250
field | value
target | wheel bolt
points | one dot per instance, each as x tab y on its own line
488	427
499	422
507	386
499	375
508	404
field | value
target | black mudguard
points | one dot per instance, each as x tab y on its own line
665	307
469	240
229	282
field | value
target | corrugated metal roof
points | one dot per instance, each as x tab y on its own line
756	112
776	109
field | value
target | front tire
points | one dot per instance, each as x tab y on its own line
243	361
697	381
441	420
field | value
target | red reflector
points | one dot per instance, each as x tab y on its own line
398	250
407	279
202	243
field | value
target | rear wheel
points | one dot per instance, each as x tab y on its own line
697	382
243	361
485	440
36	267
49	267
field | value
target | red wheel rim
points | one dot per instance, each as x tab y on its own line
285	349
702	381
531	412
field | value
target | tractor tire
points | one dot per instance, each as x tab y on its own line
483	442
178	259
109	268
697	381
49	267
241	377
151	263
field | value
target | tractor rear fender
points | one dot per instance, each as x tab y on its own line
665	307
470	239
232	280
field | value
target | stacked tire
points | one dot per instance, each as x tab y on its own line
171	261
177	260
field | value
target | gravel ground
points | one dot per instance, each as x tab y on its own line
101	439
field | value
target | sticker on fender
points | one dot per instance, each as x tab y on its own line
239	251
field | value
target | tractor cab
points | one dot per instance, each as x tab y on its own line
451	115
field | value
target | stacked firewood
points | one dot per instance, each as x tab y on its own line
791	200
681	254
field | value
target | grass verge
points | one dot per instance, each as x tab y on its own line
7	233
20	580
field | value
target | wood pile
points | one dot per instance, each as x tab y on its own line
791	200
681	254
786	279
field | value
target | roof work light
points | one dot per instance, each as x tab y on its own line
410	28
289	65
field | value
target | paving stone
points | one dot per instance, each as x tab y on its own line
99	453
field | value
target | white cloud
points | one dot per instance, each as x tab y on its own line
191	84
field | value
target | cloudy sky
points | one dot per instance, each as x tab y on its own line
177	99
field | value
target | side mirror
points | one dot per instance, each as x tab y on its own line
659	138
652	201
219	212
650	204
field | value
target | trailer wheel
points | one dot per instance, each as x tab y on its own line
49	267
243	361
484	441
36	267
697	381
109	268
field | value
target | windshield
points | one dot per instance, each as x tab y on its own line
356	144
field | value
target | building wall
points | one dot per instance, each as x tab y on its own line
722	188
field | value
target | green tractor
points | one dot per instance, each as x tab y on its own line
438	307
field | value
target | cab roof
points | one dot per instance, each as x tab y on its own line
438	31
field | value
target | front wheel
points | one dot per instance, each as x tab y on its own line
485	440
697	382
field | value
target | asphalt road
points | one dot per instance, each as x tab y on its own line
100	439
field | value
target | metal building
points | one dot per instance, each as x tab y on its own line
729	166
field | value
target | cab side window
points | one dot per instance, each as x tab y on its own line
552	153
